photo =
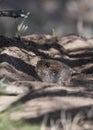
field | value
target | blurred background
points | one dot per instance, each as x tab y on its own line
59	17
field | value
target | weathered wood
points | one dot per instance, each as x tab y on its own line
18	59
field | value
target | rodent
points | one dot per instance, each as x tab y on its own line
53	71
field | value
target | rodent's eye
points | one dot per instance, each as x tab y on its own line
47	64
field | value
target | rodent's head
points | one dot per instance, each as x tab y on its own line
53	71
48	65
